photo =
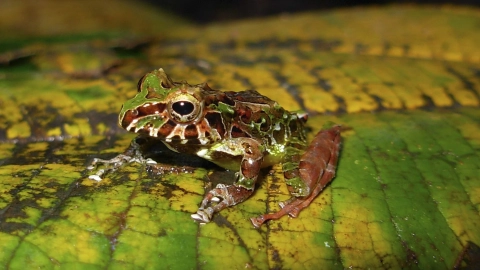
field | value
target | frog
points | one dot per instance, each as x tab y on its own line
241	131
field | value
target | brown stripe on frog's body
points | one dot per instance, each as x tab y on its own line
215	122
148	109
190	134
152	125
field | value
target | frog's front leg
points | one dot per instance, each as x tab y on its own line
251	152
140	151
131	154
315	170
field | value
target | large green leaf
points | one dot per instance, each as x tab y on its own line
403	81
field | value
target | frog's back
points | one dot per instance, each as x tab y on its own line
250	114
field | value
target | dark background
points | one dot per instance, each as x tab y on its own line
205	11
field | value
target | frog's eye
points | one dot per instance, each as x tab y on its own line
184	108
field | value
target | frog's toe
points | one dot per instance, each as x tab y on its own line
258	221
294	212
215	199
203	215
287	202
150	161
95	177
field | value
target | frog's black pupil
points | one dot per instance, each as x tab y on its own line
183	107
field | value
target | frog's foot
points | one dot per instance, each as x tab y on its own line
131	154
111	165
224	196
291	207
317	169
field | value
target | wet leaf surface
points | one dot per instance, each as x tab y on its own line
407	187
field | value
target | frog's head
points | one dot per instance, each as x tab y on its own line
172	111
